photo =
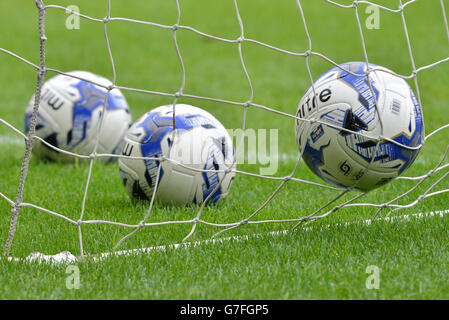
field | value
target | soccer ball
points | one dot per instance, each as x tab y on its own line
69	117
200	142
345	101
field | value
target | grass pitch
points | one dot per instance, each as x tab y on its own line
328	264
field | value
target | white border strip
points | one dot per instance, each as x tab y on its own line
66	257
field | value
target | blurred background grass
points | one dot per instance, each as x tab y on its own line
145	58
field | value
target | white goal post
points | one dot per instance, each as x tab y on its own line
324	210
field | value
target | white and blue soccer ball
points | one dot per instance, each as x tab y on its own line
69	117
346	101
200	142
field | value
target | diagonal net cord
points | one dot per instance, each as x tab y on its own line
283	180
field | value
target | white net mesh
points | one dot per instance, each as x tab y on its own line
324	210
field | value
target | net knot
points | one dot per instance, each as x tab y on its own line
178	94
92	155
308	53
106	19
240	39
175	27
354	4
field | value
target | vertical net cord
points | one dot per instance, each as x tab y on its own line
412	59
239	41
443	10
29	142
317	214
175	100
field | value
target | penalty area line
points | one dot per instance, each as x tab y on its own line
66	257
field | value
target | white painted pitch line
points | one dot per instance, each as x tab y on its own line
11	140
66	257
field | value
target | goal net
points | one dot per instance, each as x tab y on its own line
288	204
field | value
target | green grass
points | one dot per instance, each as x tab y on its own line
326	264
